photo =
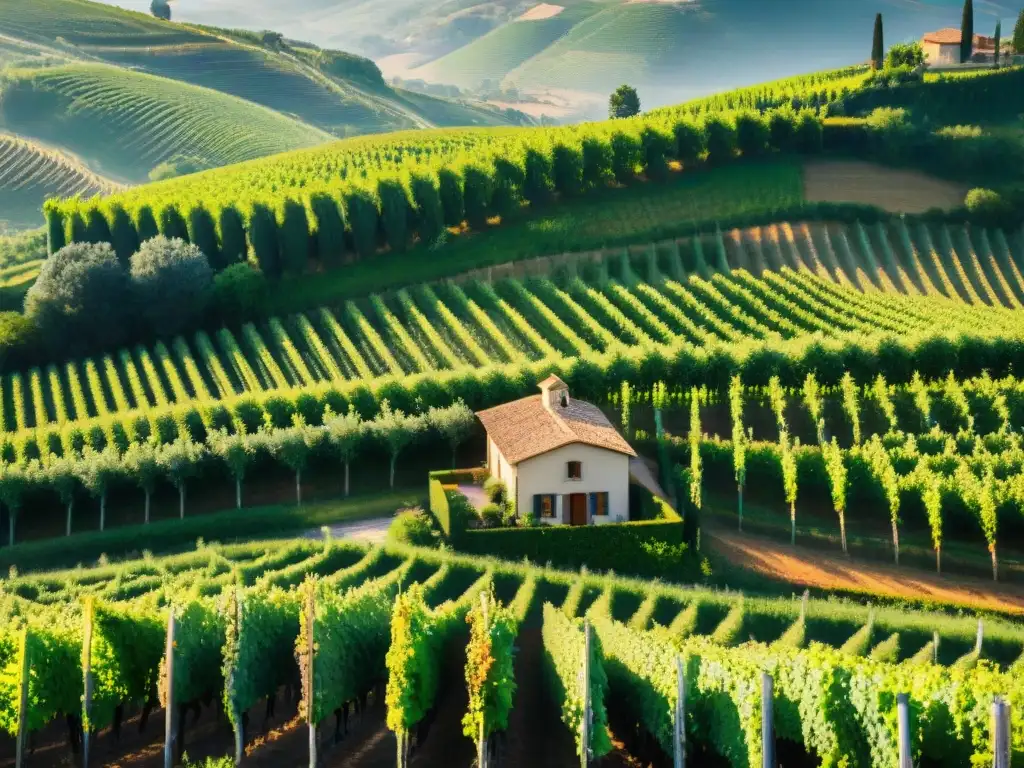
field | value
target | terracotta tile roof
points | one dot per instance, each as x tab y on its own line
524	428
951	36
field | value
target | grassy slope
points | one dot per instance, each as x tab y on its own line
124	123
29	174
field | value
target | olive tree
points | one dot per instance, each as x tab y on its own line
172	282
180	461
293	446
395	431
62	476
237	451
97	471
345	434
454	423
142	462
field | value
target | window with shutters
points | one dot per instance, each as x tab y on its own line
544	505
598	504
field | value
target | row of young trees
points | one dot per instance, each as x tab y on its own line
417	205
147	463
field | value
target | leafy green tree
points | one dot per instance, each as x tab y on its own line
263	236
161	9
1018	33
79	300
877	44
233	246
294	445
145	223
96	228
14	482
123	236
905	55
782	130
396	432
597	162
967	31
835	466
689	142
239	292
142	463
454	423
293	227
181	461
330	228
363	216
97	471
449	185
237	451
345	435
202	233
477	188
426	200
567	169
54	214
394	213
625	156
624	102
171	223
172	283
62	476
721	139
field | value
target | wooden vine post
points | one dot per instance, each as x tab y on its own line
86	677
310	647
585	722
981	636
19	747
903	720
767	721
169	709
679	732
1000	733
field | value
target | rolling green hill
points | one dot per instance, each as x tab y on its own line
124	123
29	174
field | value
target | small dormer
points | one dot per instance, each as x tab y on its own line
554	393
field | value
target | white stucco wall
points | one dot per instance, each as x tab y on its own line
936	53
499	467
603	471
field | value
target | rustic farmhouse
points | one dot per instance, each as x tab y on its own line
559	457
943	47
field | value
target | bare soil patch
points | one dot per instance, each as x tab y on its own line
542	11
807	568
892	189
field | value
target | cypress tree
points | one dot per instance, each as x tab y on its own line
509	178
597	162
967	31
427	201
655	146
449	187
263	236
537	181
202	233
1018	33
625	156
998	41
477	186
77	231
54	214
330	229
362	216
689	139
721	139
877	46
171	223
97	229
233	247
145	224
123	236
293	229
567	170
751	134
394	213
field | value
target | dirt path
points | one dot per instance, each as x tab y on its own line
892	189
808	568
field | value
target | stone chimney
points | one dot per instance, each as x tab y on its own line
554	393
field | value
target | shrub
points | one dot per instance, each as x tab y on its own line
171	223
412	526
449	185
537	177
233	246
79	300
492	515
293	230
986	207
330	228
123	236
171	280
782	130
55	239
689	142
496	490
654	147
477	185
904	55
597	162
508	184
238	293
362	217
808	130
394	213
202	233
263	236
17	335
751	134
426	200
625	156
721	139
567	169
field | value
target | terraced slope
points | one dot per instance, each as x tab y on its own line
765	283
29	174
124	123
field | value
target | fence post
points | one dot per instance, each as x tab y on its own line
169	709
767	726
86	678
903	714
679	736
19	754
1001	733
981	636
803	605
585	724
935	647
310	649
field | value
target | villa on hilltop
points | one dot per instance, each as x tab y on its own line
942	48
560	457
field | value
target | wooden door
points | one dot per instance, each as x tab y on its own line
577	509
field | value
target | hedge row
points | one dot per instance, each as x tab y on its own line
355	221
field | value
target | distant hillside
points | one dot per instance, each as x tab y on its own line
29	174
124	123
